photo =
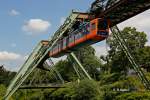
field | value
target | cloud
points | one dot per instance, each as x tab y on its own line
141	22
7	56
14	12
100	50
36	26
62	20
55	60
12	61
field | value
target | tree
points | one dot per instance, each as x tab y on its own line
86	56
65	68
2	91
84	90
91	63
117	67
135	40
143	57
87	90
113	74
6	76
134	96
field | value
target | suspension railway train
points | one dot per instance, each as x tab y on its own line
88	33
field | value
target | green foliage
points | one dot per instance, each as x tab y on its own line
63	93
29	95
5	76
135	83
143	57
65	68
84	90
115	72
87	57
87	90
135	40
2	91
109	80
134	96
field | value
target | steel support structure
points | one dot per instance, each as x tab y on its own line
117	34
77	69
42	87
118	12
38	54
74	67
56	71
80	65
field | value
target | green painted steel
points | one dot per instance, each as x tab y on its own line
38	54
41	51
69	22
42	86
27	68
56	71
116	32
80	65
74	67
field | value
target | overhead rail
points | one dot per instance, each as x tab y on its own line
117	10
121	10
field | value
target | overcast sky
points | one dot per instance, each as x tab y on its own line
25	22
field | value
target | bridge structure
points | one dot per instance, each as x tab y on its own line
43	86
115	10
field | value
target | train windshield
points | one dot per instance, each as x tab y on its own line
102	24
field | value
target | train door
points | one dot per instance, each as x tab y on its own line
93	29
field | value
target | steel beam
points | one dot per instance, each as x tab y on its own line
38	54
74	67
116	32
80	65
122	9
40	87
56	71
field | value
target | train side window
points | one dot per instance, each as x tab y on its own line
71	38
93	26
64	42
88	28
61	44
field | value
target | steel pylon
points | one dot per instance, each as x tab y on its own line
74	58
117	34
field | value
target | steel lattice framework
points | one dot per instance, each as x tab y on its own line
116	10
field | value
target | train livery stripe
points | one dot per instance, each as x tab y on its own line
90	34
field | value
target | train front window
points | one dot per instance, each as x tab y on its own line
102	25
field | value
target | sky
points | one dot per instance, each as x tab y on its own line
25	22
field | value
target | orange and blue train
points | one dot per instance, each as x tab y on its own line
88	33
